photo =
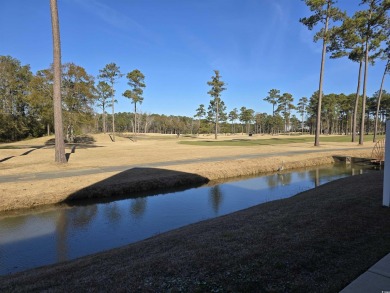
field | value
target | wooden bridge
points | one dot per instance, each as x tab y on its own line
378	152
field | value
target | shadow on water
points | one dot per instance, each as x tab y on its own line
135	183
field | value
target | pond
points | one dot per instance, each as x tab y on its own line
60	233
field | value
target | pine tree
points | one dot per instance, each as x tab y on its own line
324	12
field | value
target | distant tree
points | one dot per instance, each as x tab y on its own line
148	118
285	102
330	112
348	40
59	136
200	113
262	123
375	24
137	83
212	112
386	56
273	97
277	123
324	12
247	116
103	94
311	111
233	116
40	98
302	103
78	96
383	112
110	73
294	123
215	109
14	107
346	112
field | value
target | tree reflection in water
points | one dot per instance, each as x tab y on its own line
216	198
314	175
138	207
61	233
82	217
279	179
283	179
272	181
112	212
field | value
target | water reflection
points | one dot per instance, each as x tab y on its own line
272	181
64	233
61	232
112	212
216	198
81	217
138	207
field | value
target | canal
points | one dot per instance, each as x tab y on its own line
58	233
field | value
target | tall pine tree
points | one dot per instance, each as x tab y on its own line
325	12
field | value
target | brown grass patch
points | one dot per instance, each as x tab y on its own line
99	154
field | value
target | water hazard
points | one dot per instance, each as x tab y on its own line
61	233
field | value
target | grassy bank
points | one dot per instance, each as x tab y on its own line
317	241
103	168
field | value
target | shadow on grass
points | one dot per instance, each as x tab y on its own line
6	159
136	182
23	154
79	140
30	151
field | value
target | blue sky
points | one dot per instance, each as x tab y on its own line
257	45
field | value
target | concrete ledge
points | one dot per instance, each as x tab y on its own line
375	280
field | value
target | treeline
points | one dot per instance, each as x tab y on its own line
363	37
336	115
26	109
26	100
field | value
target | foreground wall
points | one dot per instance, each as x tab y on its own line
386	177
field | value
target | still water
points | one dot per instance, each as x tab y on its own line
61	233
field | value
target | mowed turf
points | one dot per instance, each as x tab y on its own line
283	139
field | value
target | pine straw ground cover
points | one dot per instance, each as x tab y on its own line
317	241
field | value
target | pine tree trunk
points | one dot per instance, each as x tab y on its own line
361	136
59	135
104	121
356	103
113	116
318	123
216	120
135	119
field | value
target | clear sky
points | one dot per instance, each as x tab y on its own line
257	45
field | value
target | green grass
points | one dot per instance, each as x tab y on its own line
273	141
9	147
